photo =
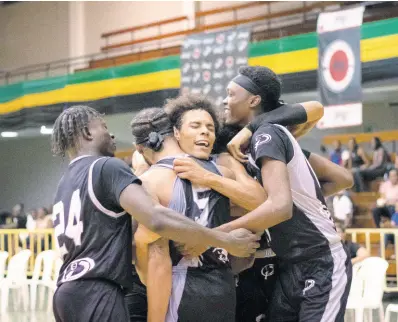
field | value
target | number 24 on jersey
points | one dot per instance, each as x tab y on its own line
74	225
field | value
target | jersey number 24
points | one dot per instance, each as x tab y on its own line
69	224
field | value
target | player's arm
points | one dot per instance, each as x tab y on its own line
333	178
125	191
272	155
235	183
303	116
159	280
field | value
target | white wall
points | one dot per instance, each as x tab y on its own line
108	16
33	32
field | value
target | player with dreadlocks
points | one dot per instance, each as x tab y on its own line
93	227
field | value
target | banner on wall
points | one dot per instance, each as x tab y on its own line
210	60
339	67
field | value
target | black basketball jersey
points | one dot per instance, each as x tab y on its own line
311	230
92	231
206	207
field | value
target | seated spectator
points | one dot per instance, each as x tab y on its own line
380	162
18	216
43	220
388	198
357	158
5	218
343	209
335	155
386	222
357	252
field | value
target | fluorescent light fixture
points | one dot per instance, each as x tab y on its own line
9	134
45	130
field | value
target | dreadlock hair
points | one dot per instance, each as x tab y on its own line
177	107
69	127
269	83
226	134
154	119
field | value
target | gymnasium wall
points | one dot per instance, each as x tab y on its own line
32	33
28	172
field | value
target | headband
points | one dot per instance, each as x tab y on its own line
247	84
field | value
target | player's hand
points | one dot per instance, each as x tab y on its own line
190	251
240	139
187	168
243	242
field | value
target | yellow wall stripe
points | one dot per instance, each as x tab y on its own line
372	49
307	59
97	90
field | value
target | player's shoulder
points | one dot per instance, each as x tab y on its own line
268	132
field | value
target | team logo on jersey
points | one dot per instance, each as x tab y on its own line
268	270
262	139
309	284
77	269
222	254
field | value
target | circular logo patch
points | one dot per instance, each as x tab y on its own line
338	66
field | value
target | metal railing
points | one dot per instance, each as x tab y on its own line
373	239
15	240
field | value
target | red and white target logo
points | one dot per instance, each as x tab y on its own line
338	66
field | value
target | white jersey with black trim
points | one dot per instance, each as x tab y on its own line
311	229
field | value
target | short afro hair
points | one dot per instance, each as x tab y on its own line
177	107
269	83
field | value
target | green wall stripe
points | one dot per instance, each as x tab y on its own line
263	48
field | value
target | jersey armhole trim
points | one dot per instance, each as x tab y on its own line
94	199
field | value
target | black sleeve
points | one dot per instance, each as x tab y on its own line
288	114
306	153
272	142
110	178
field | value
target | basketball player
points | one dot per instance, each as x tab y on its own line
315	271
247	193
92	228
180	289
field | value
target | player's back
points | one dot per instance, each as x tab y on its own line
94	236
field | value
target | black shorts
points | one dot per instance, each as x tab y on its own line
314	290
254	289
89	300
136	301
199	296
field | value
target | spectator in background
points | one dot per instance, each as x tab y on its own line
380	162
43	220
343	209
5	216
31	220
335	155
387	222
357	158
357	252
388	198
18	216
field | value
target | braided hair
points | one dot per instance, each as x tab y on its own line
150	126
69	127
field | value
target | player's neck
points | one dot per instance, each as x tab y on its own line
76	154
170	148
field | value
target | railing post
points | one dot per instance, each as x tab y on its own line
48	70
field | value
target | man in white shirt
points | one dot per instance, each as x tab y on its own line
343	209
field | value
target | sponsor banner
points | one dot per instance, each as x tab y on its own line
339	67
210	60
